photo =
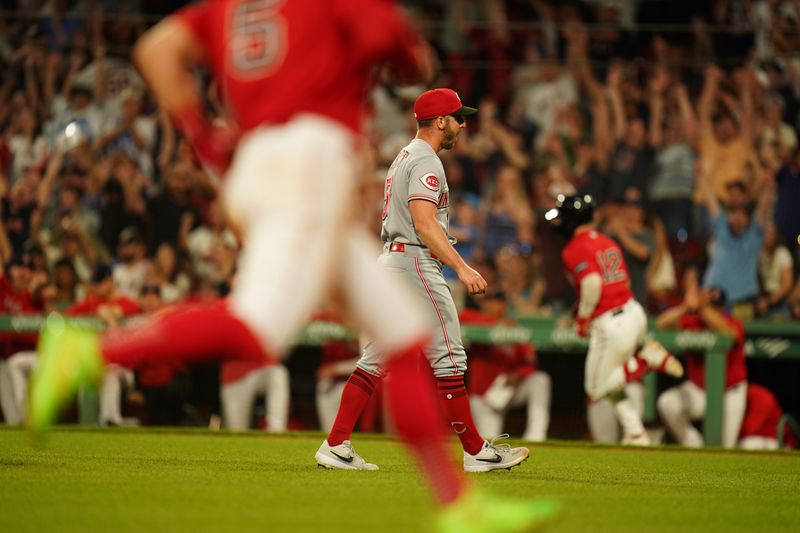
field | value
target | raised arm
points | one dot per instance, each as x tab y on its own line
705	106
687	114
657	86
613	83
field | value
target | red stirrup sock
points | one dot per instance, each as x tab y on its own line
357	392
454	400
183	334
635	368
418	419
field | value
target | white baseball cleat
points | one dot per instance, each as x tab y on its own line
642	439
495	456
659	359
341	457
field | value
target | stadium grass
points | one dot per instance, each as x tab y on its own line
196	481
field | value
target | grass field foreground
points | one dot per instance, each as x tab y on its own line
144	480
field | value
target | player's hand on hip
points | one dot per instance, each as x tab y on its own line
472	280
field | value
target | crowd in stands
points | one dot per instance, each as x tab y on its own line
685	134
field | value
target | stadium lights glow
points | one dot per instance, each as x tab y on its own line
553	213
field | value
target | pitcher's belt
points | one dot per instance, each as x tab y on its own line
401	247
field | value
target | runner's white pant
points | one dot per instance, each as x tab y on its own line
329	396
680	405
533	392
603	423
292	190
238	397
614	338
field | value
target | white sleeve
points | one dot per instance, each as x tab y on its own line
591	287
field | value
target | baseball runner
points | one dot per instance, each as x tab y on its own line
293	75
608	314
415	246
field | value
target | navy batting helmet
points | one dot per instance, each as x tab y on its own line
570	212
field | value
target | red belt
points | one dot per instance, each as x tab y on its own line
401	247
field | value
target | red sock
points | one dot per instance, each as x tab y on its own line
418	419
635	368
357	392
183	334
454	399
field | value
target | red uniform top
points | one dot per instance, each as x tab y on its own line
590	251
486	362
13	302
762	415
275	59
90	304
736	370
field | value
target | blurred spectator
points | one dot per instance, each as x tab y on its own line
212	246
672	135
738	236
131	264
166	275
726	145
508	217
788	198
626	225
776	273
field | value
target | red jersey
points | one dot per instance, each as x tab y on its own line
90	304
13	302
763	415
736	369
274	59
486	362
590	251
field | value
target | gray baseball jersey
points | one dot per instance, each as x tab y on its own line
417	174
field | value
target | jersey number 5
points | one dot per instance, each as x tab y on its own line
258	38
610	262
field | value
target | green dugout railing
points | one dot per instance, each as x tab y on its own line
764	340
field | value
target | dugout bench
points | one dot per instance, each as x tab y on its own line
764	340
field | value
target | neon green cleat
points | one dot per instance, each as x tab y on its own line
69	357
478	512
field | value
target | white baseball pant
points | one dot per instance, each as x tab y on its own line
758	442
292	189
680	405
534	392
239	396
111	393
603	423
18	368
614	337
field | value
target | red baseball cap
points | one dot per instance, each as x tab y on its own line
438	103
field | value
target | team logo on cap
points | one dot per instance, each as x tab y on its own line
430	182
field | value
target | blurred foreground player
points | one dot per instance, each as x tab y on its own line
416	244
608	314
293	75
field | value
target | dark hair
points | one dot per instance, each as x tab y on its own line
425	123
